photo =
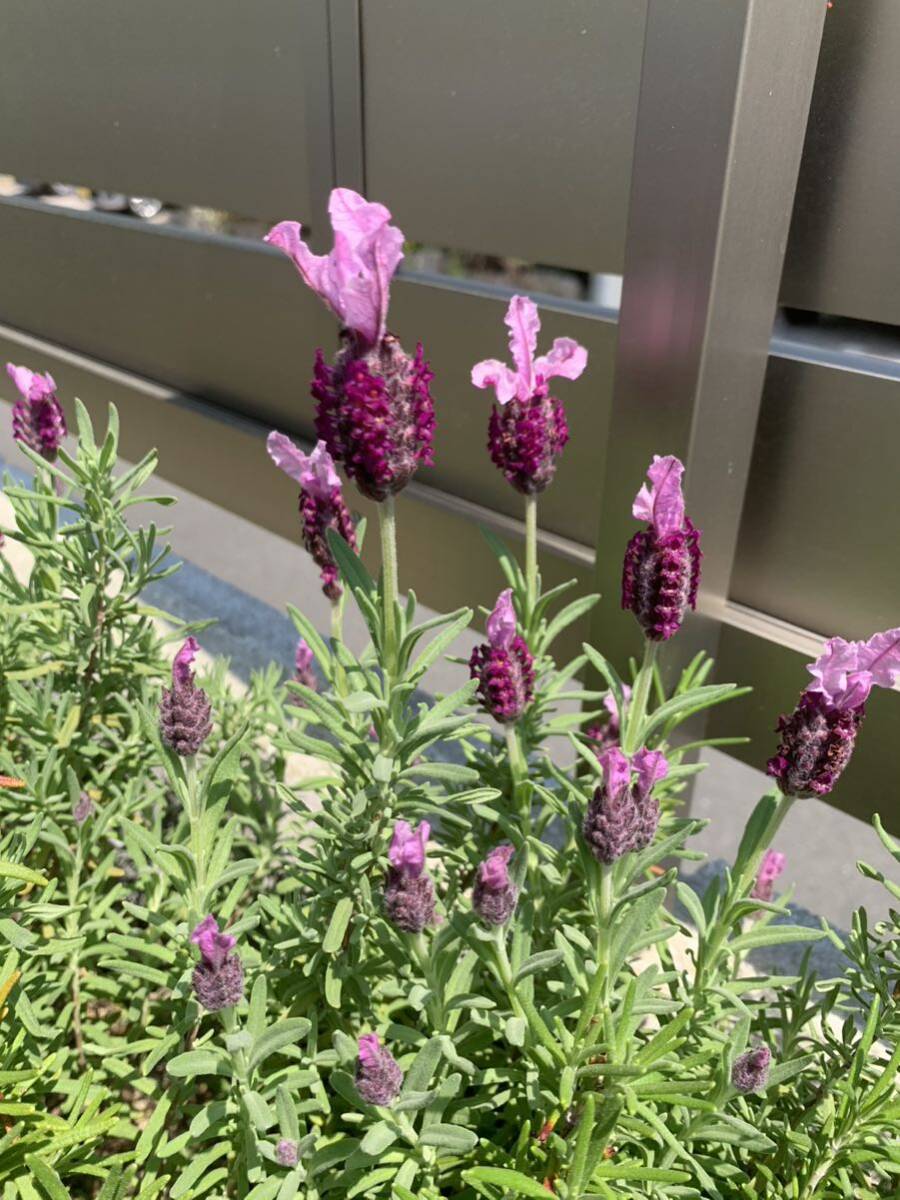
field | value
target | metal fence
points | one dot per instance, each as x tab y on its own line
737	163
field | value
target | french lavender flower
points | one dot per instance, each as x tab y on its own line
605	734
378	1075
375	411
38	418
661	573
528	428
623	815
83	809
494	895
286	1153
409	891
503	665
303	666
322	504
185	709
770	868
751	1070
818	737
218	978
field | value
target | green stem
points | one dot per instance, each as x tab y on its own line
337	620
598	993
195	819
531	555
388	529
423	958
521	1005
636	711
238	1057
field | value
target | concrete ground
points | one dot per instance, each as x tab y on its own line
244	576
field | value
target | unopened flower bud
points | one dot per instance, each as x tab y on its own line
218	978
38	419
770	868
494	895
751	1070
503	665
83	809
185	710
378	1075
286	1153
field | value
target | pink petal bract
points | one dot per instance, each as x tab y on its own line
501	624
662	503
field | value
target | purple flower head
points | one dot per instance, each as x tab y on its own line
750	1072
378	1075
528	428
218	978
375	411
818	737
661	572
503	665
770	868
303	666
322	504
185	711
83	809
286	1153
354	280
407	849
38	419
494	895
623	814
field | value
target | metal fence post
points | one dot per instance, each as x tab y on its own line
724	99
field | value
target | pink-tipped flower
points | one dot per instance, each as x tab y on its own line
378	1075
38	419
661	573
503	665
818	737
409	892
218	978
494	895
770	868
528	428
623	814
185	711
604	735
375	411
322	504
303	666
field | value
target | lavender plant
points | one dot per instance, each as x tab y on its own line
453	959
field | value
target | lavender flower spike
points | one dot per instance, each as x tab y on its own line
623	814
750	1072
528	428
503	665
494	895
378	1075
409	892
770	868
661	572
38	418
185	710
818	737
375	411
322	504
218	978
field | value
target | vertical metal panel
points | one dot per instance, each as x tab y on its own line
710	204
844	250
505	127
821	525
199	103
346	92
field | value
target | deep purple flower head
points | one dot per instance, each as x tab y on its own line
286	1153
770	868
375	411
38	418
409	892
623	814
83	809
605	734
503	665
818	737
378	1075
528	428
218	978
661	572
185	709
494	895
751	1070
322	504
